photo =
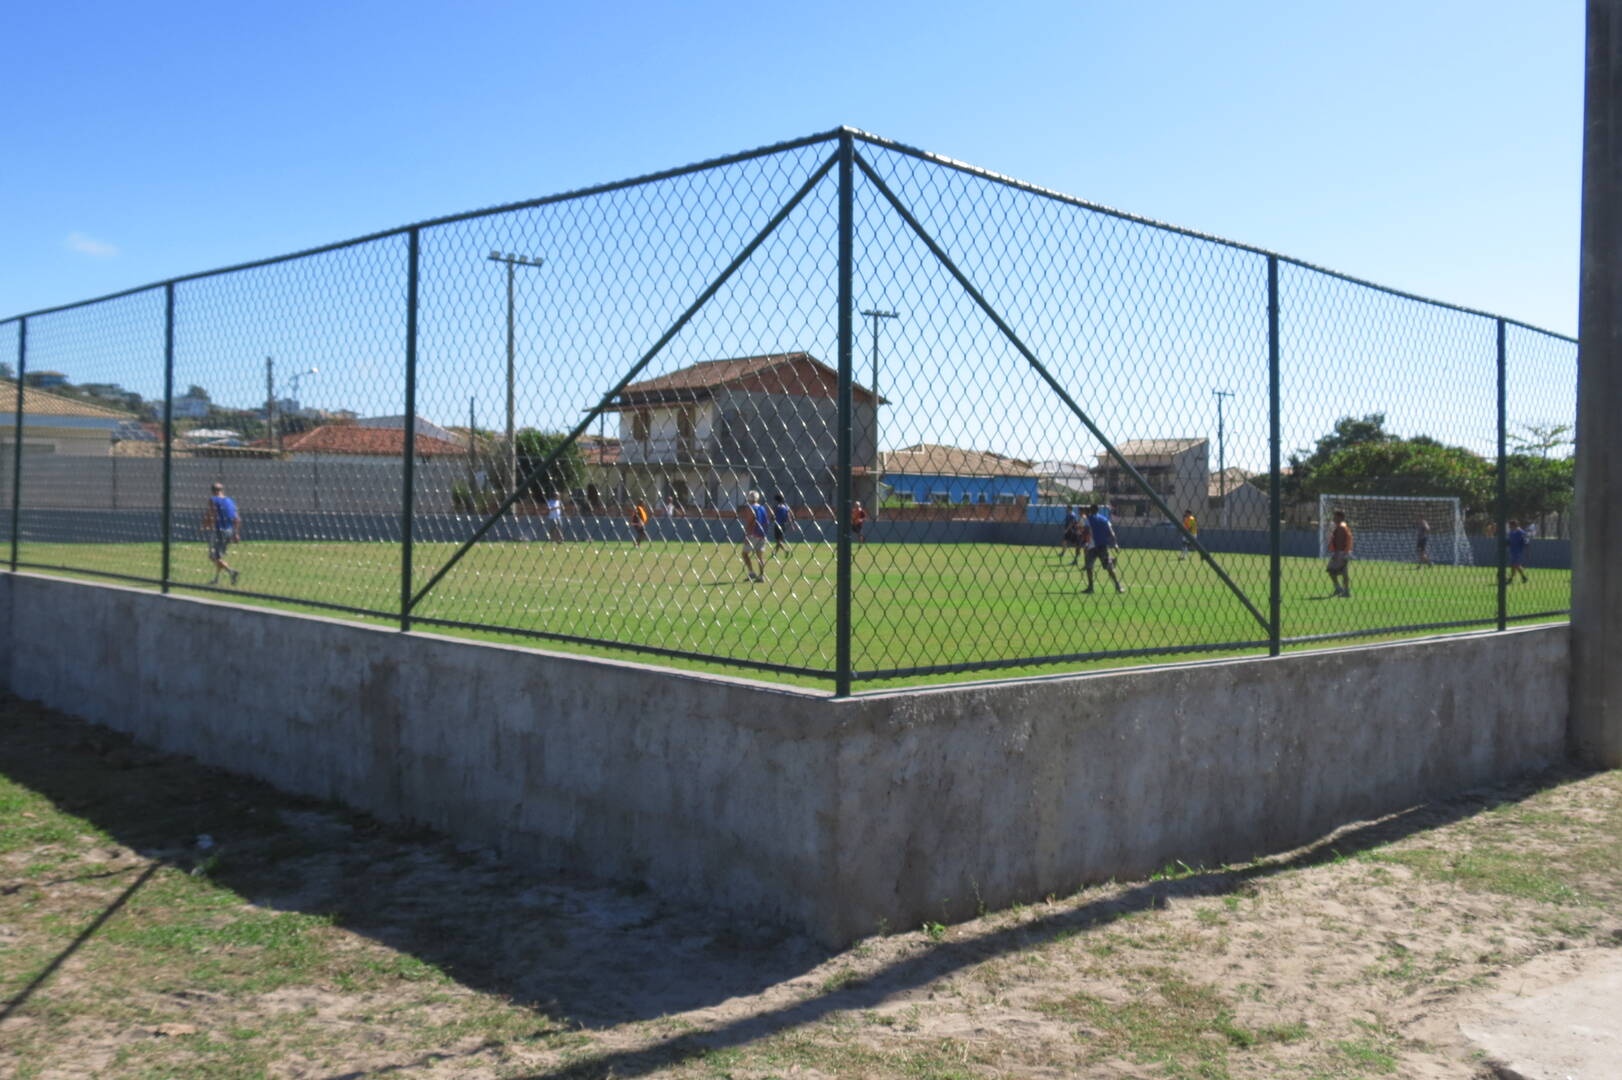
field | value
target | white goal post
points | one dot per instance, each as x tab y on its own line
1386	527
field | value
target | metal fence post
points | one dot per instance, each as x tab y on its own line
1502	508
1275	530
842	661
168	427
17	441
408	497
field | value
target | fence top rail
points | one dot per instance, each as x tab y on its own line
1195	234
450	219
781	147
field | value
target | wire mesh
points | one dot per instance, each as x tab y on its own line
289	389
91	476
620	414
1389	415
1540	406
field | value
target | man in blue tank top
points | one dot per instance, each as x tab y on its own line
1100	545
222	524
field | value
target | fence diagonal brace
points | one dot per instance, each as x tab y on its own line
608	399
1030	357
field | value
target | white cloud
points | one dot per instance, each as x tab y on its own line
89	245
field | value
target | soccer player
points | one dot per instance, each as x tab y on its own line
1192	524
754	517
1340	555
781	516
1518	538
222	524
1422	542
1072	534
638	521
1100	548
858	518
554	517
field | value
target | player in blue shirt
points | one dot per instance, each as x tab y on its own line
1518	539
781	516
222	524
1100	548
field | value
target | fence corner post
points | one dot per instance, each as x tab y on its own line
408	432
17	441
1275	494
1501	496
167	500
842	509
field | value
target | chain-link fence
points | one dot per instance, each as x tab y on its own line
835	409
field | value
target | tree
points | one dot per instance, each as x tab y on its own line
566	474
195	391
1349	431
1418	466
1537	485
6	372
1540	438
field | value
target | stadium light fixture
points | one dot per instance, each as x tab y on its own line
876	314
1222	460
511	259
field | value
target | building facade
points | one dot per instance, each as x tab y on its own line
1177	470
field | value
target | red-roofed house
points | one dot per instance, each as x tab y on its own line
347	441
711	431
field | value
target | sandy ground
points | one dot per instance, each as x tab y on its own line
1368	954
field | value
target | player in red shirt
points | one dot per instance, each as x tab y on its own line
858	518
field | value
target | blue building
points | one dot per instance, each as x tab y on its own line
929	474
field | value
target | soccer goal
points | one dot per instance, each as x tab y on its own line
1386	527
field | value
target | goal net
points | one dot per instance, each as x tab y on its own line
1387	527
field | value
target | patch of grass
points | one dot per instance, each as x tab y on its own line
1184	1027
1524	875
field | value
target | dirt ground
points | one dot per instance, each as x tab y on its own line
162	919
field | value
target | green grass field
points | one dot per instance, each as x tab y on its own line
913	605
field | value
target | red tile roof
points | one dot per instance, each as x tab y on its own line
376	442
797	373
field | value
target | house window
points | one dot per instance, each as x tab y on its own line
639	426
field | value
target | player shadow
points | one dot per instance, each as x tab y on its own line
577	953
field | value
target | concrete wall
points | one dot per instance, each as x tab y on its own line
830	815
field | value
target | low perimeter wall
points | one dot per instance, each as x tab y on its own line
831	815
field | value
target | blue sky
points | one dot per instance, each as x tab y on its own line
1434	147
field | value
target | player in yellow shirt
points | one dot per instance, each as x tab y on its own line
1192	525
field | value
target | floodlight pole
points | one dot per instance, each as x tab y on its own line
1222	460
511	260
1595	723
272	438
876	314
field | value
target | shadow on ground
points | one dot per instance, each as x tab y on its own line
578	952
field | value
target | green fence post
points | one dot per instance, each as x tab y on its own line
842	652
1502	509
168	427
17	441
408	495
1275	500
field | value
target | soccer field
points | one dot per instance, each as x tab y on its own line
913	605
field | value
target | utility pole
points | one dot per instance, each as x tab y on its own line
1595	723
876	314
272	437
1222	461
511	260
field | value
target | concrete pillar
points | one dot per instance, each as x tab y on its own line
1596	617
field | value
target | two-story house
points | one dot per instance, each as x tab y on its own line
1177	470
708	433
